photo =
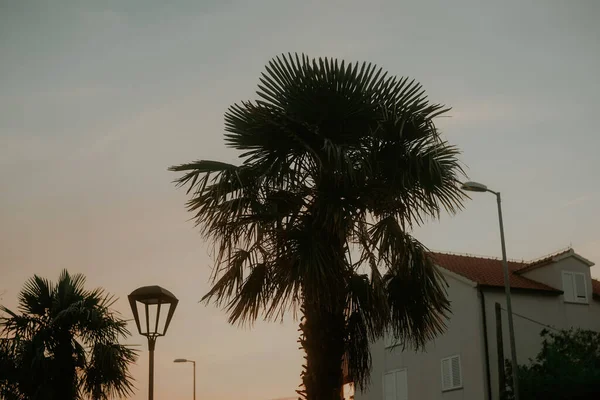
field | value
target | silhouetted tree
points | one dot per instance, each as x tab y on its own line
567	367
63	344
338	162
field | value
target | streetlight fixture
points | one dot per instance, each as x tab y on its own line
479	187
183	360
152	298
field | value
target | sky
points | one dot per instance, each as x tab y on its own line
99	98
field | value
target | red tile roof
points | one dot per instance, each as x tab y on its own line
488	271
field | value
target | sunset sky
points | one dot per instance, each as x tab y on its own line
99	98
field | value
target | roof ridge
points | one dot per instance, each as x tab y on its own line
514	260
472	255
551	255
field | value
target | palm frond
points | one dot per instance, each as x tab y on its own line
357	351
69	289
36	296
195	170
19	324
253	296
107	375
415	288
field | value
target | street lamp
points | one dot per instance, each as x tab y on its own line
183	360
478	187
152	298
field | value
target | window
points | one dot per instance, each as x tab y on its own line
451	373
574	287
395	385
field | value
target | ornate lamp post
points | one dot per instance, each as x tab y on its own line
151	299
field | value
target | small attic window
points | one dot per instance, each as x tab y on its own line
574	287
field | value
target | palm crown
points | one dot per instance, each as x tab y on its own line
64	343
338	163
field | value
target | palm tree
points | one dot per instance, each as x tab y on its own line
339	162
64	343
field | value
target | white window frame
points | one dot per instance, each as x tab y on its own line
395	371
452	386
576	298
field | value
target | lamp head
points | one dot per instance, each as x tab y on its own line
148	301
180	360
474	187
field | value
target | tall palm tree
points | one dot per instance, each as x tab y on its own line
64	344
339	162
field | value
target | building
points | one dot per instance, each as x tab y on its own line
556	291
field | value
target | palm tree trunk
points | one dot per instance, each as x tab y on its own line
65	380
322	339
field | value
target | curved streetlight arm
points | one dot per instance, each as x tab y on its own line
184	360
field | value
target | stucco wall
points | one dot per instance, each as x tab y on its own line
424	368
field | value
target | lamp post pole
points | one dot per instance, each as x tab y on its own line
194	362
478	187
511	328
151	345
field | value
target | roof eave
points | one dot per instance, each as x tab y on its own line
528	268
550	292
457	276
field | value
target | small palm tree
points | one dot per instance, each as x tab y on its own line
64	344
338	163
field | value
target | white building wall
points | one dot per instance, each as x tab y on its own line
424	368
